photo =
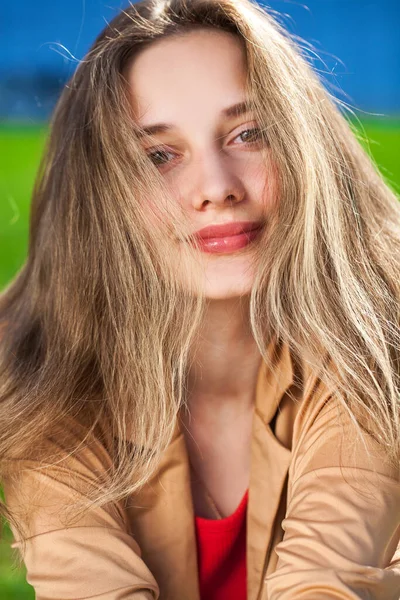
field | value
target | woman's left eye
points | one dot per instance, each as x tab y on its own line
254	132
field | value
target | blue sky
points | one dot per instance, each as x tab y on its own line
358	40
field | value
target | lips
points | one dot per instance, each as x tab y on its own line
227	229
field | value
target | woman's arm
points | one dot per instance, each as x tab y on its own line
96	557
342	524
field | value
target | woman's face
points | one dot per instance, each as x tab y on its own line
210	160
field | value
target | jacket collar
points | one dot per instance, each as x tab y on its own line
165	522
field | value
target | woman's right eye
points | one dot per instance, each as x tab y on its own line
158	155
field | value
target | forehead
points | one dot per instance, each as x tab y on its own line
202	70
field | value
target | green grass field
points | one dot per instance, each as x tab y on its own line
20	150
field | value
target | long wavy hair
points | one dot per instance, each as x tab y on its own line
97	326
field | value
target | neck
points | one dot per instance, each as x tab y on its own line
225	361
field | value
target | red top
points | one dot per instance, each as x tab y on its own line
221	552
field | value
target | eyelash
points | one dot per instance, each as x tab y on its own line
160	148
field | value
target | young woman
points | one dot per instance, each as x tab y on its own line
200	357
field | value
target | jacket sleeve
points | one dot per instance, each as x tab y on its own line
342	523
96	557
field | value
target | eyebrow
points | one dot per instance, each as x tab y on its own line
234	111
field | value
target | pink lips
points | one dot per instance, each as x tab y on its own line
227	237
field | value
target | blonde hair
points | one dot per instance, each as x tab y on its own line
96	326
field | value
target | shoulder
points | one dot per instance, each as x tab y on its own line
66	467
326	433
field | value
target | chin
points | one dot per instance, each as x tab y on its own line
226	293
230	282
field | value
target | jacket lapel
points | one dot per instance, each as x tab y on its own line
269	466
163	524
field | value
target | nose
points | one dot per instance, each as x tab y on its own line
214	181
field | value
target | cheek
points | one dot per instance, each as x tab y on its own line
262	181
169	216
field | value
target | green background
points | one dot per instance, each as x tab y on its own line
20	151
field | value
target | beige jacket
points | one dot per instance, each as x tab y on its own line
314	531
